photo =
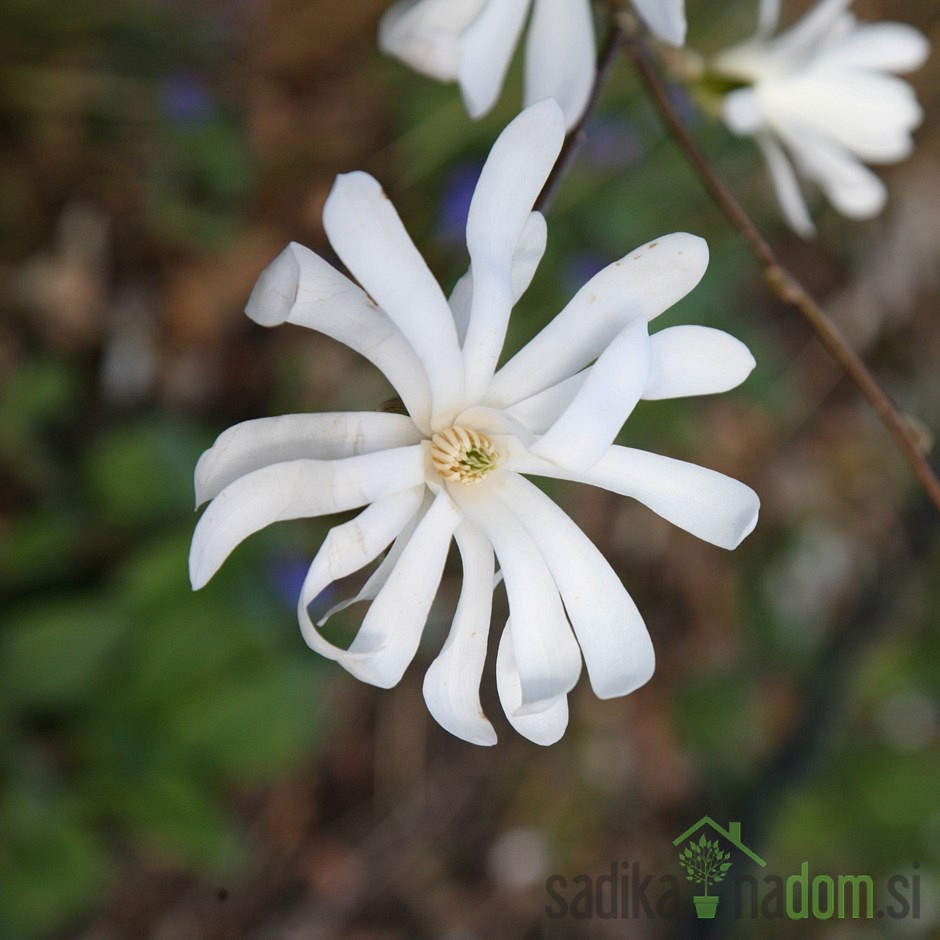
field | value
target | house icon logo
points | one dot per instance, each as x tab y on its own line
706	861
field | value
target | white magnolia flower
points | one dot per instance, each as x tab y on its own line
472	42
822	94
453	466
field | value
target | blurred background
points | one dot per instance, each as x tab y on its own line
177	765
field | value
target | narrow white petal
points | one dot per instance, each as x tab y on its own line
695	360
617	649
376	581
300	287
812	29
768	16
351	546
786	186
869	114
888	47
425	34
494	424
528	253
512	177
614	384
486	48
452	683
460	302
294	490
709	505
391	631
254	444
848	184
525	260
560	56
741	112
540	411
666	19
546	652
541	727
646	282
684	360
369	237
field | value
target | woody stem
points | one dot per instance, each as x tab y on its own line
782	282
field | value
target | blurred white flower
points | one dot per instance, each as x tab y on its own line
665	18
472	42
452	466
822	94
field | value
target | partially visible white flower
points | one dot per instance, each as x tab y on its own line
472	42
453	466
665	18
823	94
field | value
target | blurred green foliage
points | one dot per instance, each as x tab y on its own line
130	706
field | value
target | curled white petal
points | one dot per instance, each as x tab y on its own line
452	683
376	581
351	546
294	490
300	287
391	630
543	726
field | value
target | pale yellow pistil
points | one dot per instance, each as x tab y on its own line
463	455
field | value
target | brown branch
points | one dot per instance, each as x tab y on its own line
784	284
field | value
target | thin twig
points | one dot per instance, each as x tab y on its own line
784	284
613	45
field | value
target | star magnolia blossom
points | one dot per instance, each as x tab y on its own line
822	92
472	42
453	466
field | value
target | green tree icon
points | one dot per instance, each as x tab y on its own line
705	864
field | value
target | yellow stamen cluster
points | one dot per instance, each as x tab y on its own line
463	455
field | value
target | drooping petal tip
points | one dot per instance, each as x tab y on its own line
275	292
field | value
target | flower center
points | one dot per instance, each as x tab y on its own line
464	455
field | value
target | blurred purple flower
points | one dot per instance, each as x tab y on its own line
286	573
580	267
459	184
612	144
185	99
